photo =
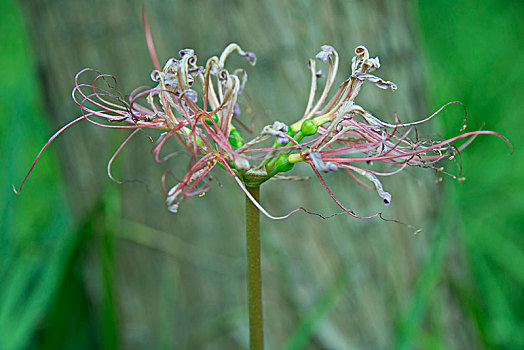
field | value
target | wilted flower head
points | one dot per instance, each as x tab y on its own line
198	106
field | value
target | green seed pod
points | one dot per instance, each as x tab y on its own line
196	139
309	128
215	118
235	138
280	165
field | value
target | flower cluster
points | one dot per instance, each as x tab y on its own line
198	107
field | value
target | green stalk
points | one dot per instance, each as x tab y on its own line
254	277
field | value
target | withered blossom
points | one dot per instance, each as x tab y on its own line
198	107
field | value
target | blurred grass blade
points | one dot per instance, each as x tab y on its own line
501	327
429	276
502	250
319	311
35	235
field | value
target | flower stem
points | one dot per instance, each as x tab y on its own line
254	278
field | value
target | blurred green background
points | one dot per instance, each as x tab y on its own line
86	263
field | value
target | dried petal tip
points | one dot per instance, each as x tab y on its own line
326	52
184	52
282	138
173	208
330	166
172	199
376	80
318	72
236	110
316	158
192	95
279	130
251	57
386	196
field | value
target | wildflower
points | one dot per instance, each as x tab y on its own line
198	107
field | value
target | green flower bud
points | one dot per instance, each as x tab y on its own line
235	138
309	128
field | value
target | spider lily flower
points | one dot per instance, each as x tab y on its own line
198	105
